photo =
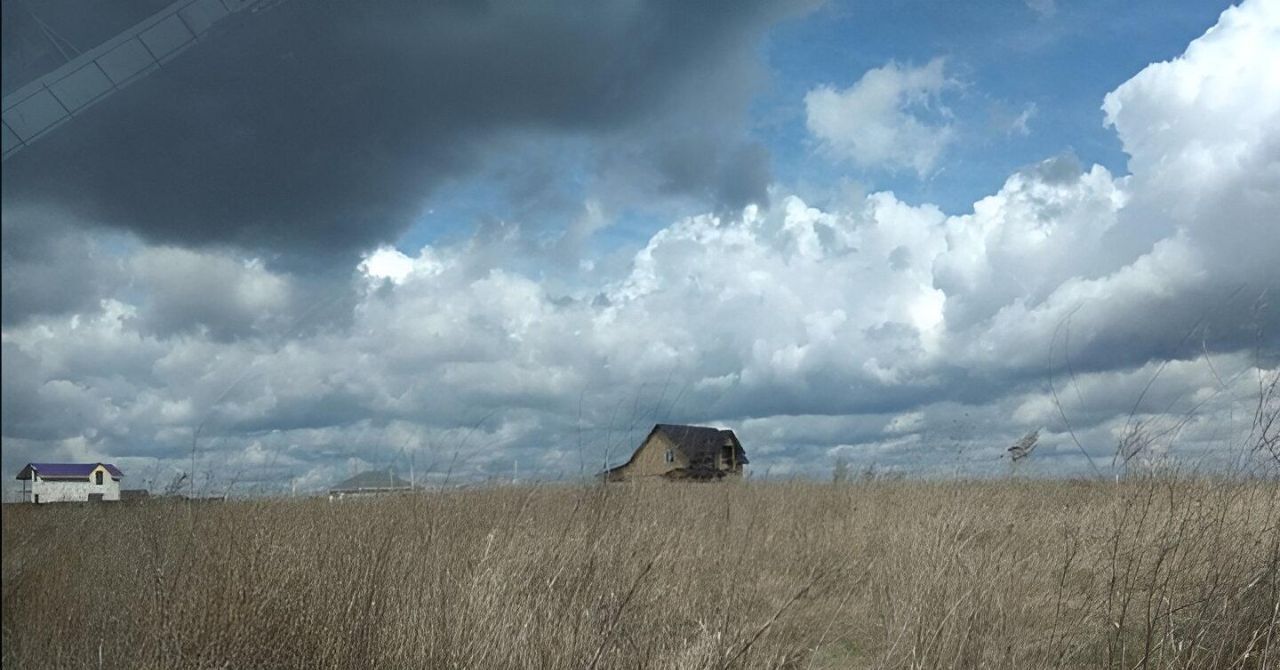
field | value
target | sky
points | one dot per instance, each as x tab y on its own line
493	240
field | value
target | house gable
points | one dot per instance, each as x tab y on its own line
650	459
658	454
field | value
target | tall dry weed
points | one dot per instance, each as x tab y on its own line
1155	572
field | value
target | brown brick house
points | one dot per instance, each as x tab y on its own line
683	452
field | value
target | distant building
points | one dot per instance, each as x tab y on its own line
70	482
683	452
134	495
369	484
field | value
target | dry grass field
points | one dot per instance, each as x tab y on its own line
1156	572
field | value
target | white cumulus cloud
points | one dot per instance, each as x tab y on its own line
892	118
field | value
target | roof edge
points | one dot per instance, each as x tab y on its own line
30	469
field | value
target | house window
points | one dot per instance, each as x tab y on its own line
671	455
97	478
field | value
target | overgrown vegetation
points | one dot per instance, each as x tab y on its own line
1148	572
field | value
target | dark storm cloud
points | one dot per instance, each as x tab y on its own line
731	176
322	127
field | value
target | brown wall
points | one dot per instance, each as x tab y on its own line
650	459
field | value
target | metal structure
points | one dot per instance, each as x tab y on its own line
40	106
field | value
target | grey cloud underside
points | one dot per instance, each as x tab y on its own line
47	267
315	127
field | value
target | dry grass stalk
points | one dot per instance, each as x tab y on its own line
1154	572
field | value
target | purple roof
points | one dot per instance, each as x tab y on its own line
67	470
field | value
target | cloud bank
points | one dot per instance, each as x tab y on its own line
883	331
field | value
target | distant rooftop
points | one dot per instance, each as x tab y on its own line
371	481
66	470
699	442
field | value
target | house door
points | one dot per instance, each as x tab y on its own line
95	497
37	498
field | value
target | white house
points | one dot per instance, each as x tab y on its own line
70	482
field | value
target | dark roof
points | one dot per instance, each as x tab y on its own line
66	470
699	442
371	481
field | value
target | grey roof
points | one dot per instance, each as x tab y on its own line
371	481
701	442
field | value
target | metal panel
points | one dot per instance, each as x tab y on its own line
202	14
126	61
11	140
167	37
81	87
38	106
34	115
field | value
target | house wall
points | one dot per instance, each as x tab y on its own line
650	459
74	491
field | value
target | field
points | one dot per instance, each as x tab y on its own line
1147	572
